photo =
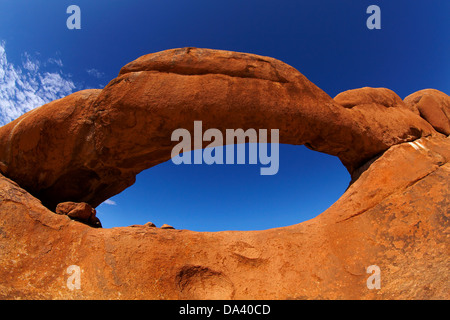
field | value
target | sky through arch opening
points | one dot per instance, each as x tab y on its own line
202	197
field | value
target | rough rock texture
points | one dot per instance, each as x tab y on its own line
369	96
394	216
433	106
150	225
56	140
79	211
89	146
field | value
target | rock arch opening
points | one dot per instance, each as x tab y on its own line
202	197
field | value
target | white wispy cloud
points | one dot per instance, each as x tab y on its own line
27	86
95	73
55	61
110	202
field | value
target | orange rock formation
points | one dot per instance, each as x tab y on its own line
90	145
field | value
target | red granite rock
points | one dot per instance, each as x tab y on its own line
434	106
394	216
79	211
90	145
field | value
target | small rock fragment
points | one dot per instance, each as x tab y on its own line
150	225
79	211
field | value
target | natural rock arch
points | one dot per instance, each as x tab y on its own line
91	144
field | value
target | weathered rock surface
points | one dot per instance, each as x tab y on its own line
433	106
150	225
90	145
79	211
56	139
394	216
369	96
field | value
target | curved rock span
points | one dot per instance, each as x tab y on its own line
90	145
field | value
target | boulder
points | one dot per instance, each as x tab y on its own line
150	225
368	96
434	106
79	211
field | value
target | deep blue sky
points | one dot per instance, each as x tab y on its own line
326	40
